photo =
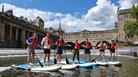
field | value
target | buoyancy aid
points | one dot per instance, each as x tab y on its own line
113	45
87	45
77	46
34	42
60	42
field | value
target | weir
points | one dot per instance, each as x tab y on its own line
7	52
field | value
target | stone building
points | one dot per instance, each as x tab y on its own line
93	36
15	30
123	17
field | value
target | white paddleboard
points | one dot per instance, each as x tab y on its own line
102	63
46	68
114	62
68	66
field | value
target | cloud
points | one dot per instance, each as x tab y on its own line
125	4
100	17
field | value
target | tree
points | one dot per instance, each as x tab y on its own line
134	12
131	27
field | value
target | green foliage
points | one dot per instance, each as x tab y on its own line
54	38
131	27
134	12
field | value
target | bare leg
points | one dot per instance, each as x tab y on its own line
48	57
45	55
58	58
103	56
29	57
74	56
33	57
89	55
85	57
113	56
110	56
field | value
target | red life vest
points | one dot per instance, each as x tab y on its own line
60	42
77	46
113	45
88	45
33	42
48	40
101	45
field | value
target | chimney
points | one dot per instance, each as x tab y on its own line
2	8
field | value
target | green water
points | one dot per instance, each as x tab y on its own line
129	68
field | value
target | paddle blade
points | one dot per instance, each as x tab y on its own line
55	61
40	63
67	61
93	60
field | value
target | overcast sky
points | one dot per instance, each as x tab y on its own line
75	15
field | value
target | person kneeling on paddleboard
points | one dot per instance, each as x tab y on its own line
102	47
76	51
112	49
46	45
87	51
60	45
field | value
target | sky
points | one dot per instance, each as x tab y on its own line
75	15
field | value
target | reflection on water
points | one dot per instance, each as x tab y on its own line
129	68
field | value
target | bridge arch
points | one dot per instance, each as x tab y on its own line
69	45
106	42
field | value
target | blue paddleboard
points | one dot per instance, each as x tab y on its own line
83	64
23	66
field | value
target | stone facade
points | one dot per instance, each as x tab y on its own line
123	17
93	36
15	30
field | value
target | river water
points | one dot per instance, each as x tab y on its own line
129	68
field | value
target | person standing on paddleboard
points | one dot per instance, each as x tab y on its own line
60	45
32	43
87	51
76	50
102	47
112	49
46	42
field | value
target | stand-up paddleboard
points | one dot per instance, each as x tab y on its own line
37	68
46	68
68	66
63	64
114	63
102	63
21	66
83	64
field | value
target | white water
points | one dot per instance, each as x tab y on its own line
23	52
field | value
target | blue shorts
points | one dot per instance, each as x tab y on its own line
59	50
87	51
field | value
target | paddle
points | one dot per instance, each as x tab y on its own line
67	61
96	58
38	61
